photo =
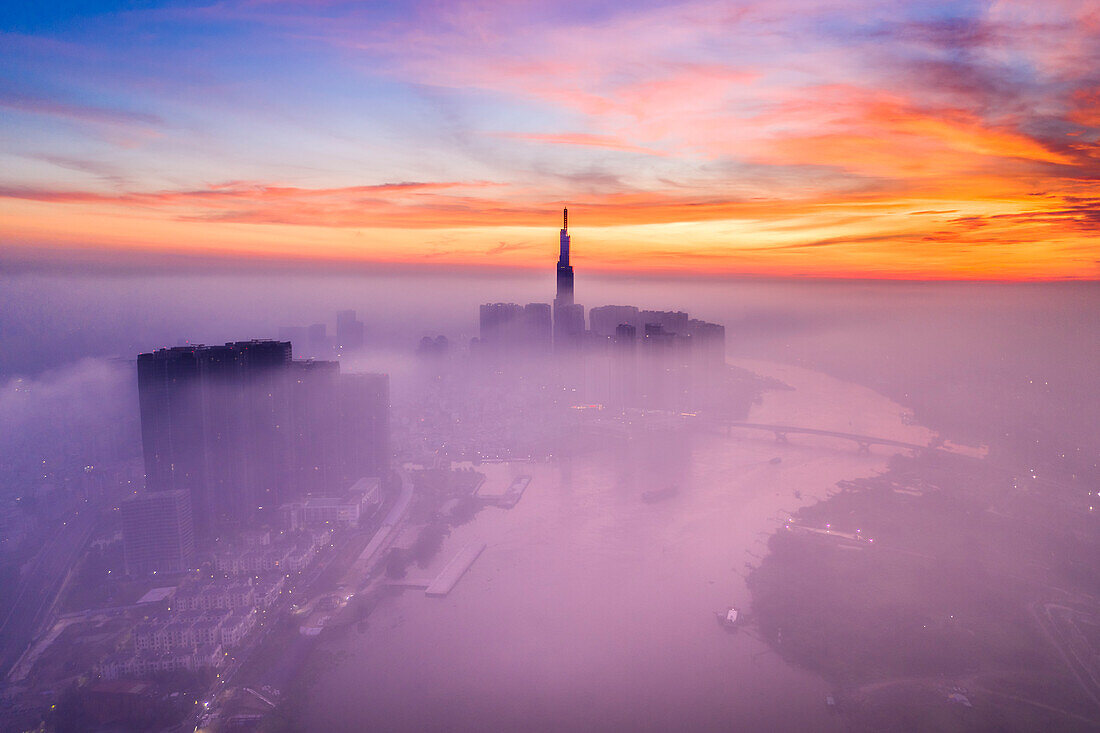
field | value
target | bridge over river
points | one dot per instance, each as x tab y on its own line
863	441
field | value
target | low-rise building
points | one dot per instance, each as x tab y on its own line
186	630
257	560
267	589
236	627
145	663
223	595
361	501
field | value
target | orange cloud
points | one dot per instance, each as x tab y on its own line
1010	235
772	143
1086	107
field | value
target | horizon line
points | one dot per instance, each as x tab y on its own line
123	262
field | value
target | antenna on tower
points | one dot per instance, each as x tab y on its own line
565	218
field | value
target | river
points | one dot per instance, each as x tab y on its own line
592	609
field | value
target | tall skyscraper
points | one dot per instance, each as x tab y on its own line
172	422
157	535
216	421
564	295
568	317
243	428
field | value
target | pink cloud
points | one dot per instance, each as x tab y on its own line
582	139
79	112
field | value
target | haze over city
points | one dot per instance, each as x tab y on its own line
549	366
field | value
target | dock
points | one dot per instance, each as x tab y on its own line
509	497
454	570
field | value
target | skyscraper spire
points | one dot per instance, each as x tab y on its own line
563	259
568	316
565	272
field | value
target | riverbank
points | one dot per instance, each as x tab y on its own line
916	594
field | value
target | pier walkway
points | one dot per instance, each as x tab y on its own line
455	569
360	569
448	578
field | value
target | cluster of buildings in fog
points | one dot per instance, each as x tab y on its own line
192	625
251	458
244	428
626	358
242	436
257	462
314	340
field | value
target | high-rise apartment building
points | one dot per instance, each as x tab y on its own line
623	392
568	317
216	421
363	427
511	329
314	402
243	428
606	319
538	325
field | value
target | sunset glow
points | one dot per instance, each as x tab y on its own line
866	139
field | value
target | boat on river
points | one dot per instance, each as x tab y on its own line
731	618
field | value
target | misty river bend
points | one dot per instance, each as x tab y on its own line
592	608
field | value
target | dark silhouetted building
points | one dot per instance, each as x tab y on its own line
157	534
564	294
244	428
215	421
568	317
173	424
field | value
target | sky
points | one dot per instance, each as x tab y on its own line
843	138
